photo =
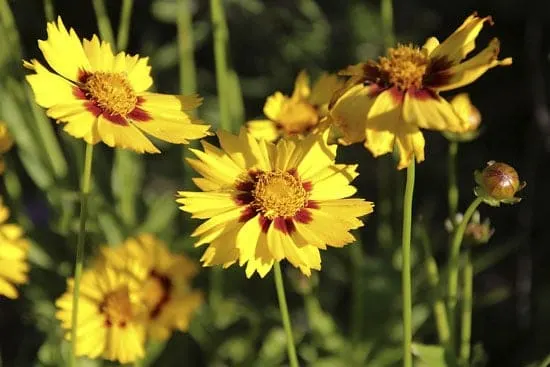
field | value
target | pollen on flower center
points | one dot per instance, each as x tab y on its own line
405	66
112	92
279	194
117	307
297	117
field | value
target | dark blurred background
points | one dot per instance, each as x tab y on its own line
272	40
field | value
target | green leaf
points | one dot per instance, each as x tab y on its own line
429	355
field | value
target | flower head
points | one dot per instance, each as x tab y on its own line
266	202
6	142
110	314
103	97
165	277
470	116
385	102
476	233
498	183
299	114
13	255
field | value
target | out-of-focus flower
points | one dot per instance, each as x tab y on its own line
6	142
14	248
110	314
299	114
469	114
498	183
476	233
165	278
103	97
386	102
266	202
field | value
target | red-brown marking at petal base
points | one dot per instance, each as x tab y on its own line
397	95
422	94
312	204
247	186
285	225
244	198
437	74
92	108
108	323
264	223
166	284
139	115
375	90
307	185
115	119
247	214
303	216
82	76
122	324
79	93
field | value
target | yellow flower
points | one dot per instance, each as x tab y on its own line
102	96
6	142
110	315
299	114
13	255
267	202
386	102
470	116
165	278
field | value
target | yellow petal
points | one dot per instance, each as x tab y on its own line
459	44
263	129
99	54
410	144
50	89
470	70
301	86
222	251
430	111
206	204
349	112
82	124
384	119
234	145
273	105
247	239
139	73
63	51
124	136
430	45
324	88
463	107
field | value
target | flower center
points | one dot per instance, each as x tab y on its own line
156	292
112	92
117	307
279	194
405	66
297	117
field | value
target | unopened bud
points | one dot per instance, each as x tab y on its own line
498	183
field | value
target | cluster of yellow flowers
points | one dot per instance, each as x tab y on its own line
272	192
132	292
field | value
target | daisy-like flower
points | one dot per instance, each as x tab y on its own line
267	202
110	314
6	142
299	114
103	97
14	248
385	102
165	277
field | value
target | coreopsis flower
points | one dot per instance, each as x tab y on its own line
165	278
265	202
14	248
388	101
498	183
6	142
476	233
299	114
469	114
110	314
103	97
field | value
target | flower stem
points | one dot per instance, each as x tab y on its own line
103	24
84	193
453	187
452	284
221	36
406	270
188	78
357	311
466	328
291	349
124	24
386	14
49	10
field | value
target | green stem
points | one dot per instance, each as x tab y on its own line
357	314
103	24
406	270
386	14
84	193
439	308
291	349
188	78
546	361
221	37
124	24
466	329
49	10
453	187
452	284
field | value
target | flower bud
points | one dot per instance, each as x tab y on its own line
498	183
